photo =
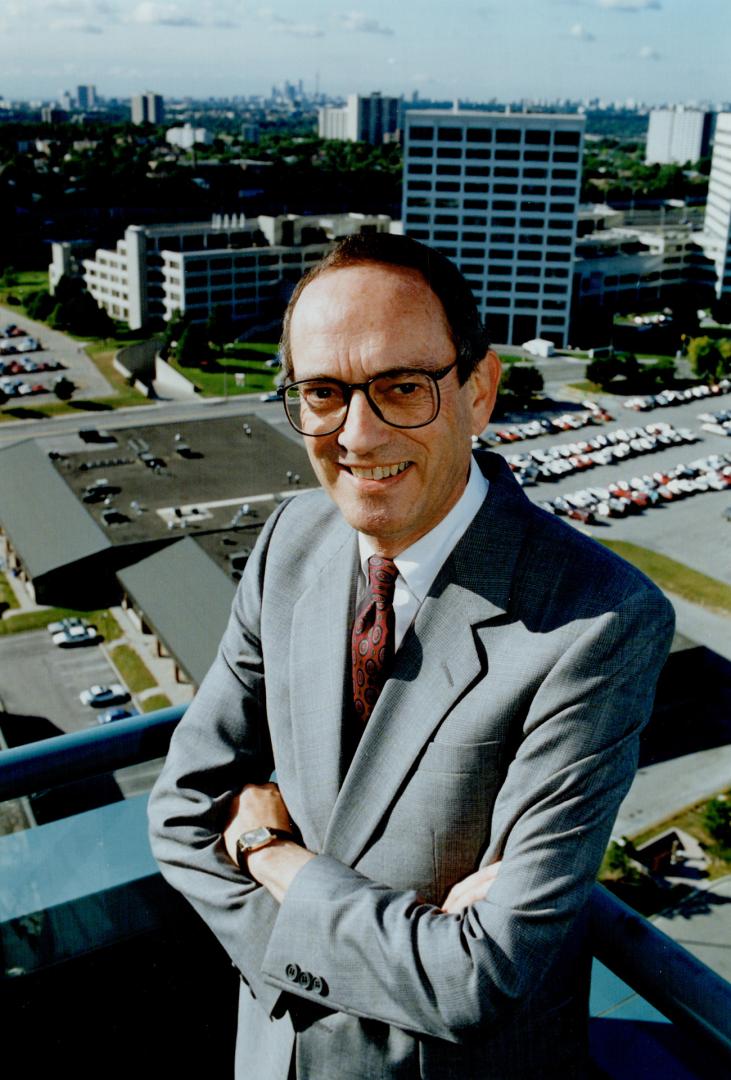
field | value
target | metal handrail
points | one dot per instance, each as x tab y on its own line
665	974
78	755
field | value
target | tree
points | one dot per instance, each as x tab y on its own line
603	370
39	305
219	329
523	381
63	388
718	819
191	349
705	358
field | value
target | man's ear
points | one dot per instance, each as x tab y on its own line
484	382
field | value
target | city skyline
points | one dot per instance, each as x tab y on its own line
654	51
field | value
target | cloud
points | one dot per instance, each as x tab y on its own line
283	25
75	25
630	5
648	53
150	13
356	22
581	33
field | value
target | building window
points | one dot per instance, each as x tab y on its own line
565	155
481	153
506	189
479	135
447	185
445	219
420	151
477	170
421	132
566	138
538	138
536	155
419	170
507	155
475	204
506	170
449	152
507	135
420	185
448	170
449	134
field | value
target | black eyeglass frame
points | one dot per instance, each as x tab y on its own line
365	387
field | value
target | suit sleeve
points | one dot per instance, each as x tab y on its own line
221	743
386	955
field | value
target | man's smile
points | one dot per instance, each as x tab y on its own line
377	472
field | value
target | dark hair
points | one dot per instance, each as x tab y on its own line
443	278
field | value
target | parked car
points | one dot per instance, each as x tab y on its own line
75	636
98	696
117	713
66	624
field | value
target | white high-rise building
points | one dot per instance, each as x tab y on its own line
717	224
675	136
498	193
147	108
370	119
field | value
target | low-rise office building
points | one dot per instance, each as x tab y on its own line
246	266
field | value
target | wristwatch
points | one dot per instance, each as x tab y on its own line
254	839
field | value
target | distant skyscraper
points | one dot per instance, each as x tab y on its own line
675	136
717	224
147	108
364	119
86	97
498	193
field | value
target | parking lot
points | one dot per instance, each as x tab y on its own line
56	347
691	530
40	679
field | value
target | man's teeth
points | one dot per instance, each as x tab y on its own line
379	472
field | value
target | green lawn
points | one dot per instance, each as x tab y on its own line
219	380
155	702
675	577
104	621
8	599
27	281
134	673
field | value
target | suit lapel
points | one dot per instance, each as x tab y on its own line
319	665
440	658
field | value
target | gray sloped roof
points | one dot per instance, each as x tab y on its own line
47	525
186	599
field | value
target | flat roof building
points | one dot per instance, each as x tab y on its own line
246	266
676	136
498	193
717	225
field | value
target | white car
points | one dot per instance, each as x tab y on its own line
66	624
114	694
75	635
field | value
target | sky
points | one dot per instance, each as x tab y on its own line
654	51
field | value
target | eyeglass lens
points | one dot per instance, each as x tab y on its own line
318	406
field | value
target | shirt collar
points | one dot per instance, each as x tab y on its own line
419	564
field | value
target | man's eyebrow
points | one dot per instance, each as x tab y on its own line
403	369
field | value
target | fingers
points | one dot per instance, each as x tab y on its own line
469	890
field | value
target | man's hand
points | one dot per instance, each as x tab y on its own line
470	889
273	866
257	805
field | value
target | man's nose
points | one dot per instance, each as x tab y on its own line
362	431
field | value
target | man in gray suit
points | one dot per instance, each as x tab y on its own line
406	900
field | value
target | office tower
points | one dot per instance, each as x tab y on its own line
498	193
147	108
364	119
675	136
86	97
717	224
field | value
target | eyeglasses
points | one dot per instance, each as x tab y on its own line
404	398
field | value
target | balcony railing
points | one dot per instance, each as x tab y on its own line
654	979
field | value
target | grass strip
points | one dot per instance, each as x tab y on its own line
8	599
131	668
104	621
675	577
155	702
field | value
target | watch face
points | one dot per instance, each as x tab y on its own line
255	838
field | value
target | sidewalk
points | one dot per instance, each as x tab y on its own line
162	668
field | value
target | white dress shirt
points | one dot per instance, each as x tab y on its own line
419	564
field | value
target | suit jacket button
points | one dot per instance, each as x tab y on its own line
319	985
306	980
292	972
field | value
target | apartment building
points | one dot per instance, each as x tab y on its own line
147	108
246	266
675	136
717	224
498	193
372	118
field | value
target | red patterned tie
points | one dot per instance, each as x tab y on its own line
372	640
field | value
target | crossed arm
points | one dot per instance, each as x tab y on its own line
276	865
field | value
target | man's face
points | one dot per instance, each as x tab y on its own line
354	323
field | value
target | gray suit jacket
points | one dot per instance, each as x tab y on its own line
508	729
